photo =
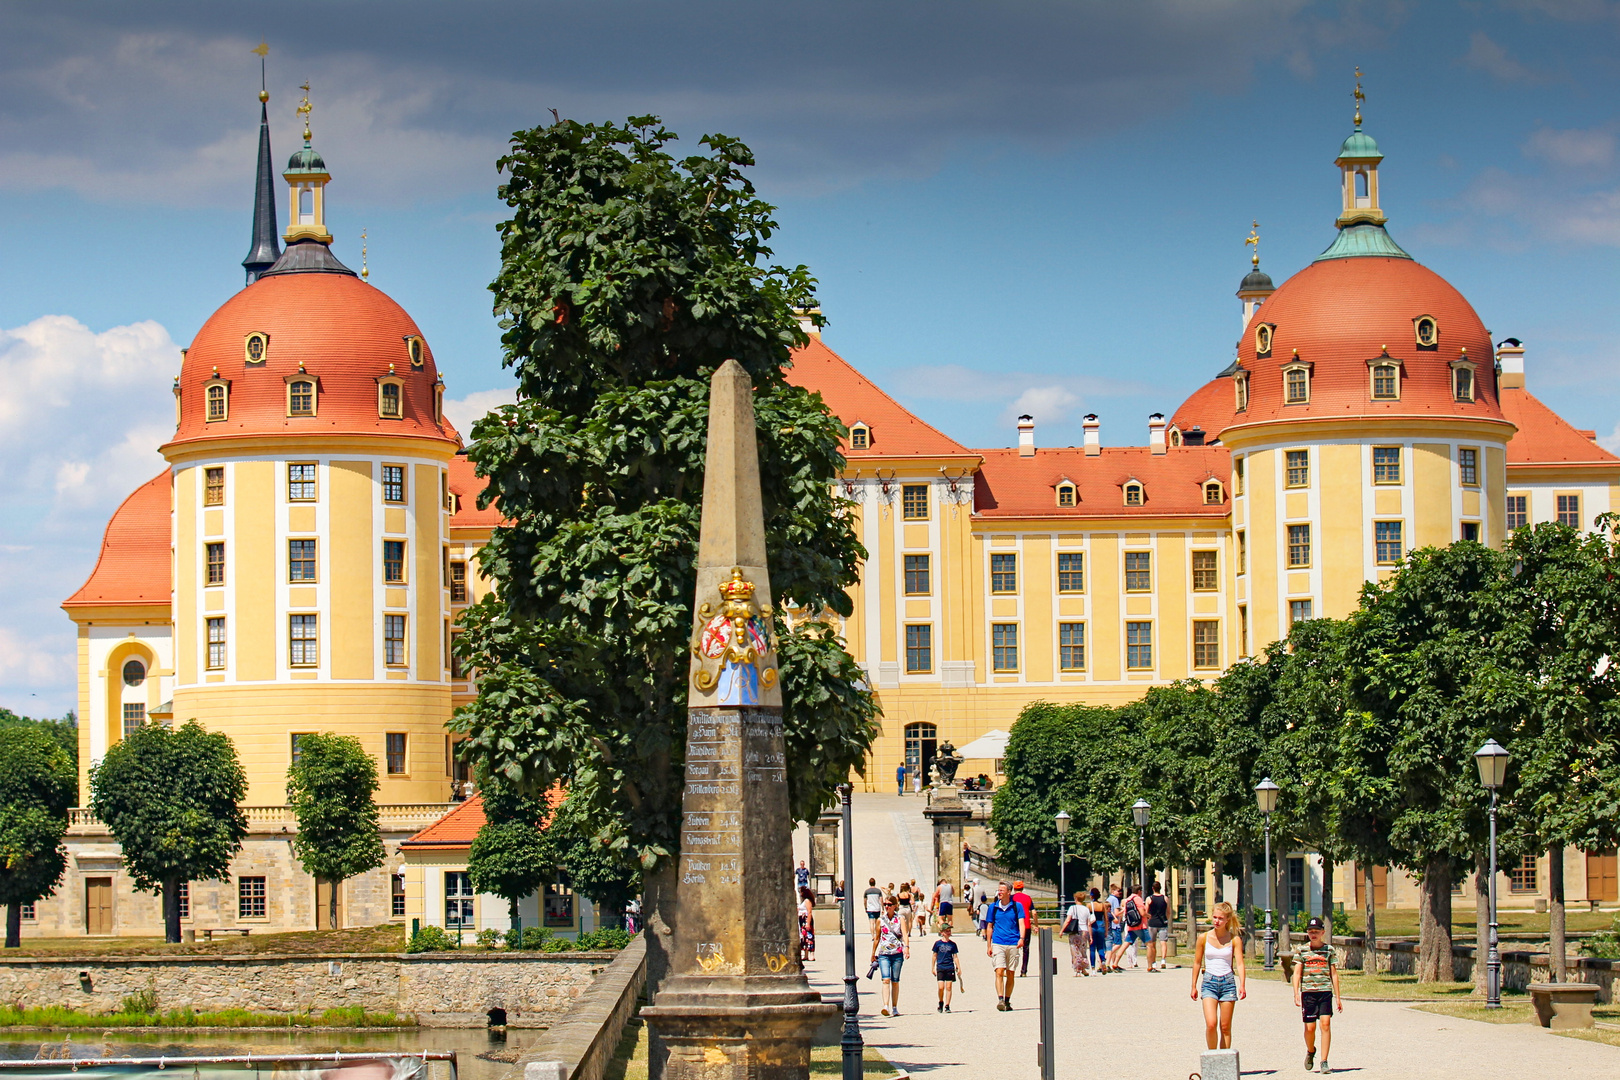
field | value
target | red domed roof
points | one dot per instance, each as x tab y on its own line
343	331
1211	407
1339	314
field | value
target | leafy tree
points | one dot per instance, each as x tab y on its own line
65	731
332	789
171	798
627	277
509	857
38	783
597	860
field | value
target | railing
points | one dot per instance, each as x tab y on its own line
395	814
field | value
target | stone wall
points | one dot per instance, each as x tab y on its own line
580	1047
440	990
1519	969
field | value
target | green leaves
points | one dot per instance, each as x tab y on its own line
332	788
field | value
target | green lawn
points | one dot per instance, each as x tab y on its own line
1520	1012
630	1060
387	938
1354	984
1403	923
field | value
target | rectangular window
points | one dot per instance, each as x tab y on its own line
1569	511
300	560
558	904
250	898
919	649
303	640
1518	511
446	499
458	583
214	485
1468	466
1243	631
134	717
1386	464
1522	876
216	563
1299	386
394	640
1139	645
1243	553
301	398
1139	571
395	741
458	900
917	575
1470	531
301	483
1462	384
297	747
914	502
1071	572
1299	545
1237	475
393	483
1384	384
394	562
1387	542
1206	577
184	899
29	913
1004	646
1298	611
458	669
397	895
389	406
1299	468
1206	644
1004	573
216	643
1072	646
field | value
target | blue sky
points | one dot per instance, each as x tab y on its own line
1010	207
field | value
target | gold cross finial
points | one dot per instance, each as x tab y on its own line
1360	97
1254	239
305	109
365	271
262	50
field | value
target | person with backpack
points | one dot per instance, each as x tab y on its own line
1101	917
1158	930
1133	918
1077	925
1023	898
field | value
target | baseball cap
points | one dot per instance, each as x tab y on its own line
1019	884
1314	924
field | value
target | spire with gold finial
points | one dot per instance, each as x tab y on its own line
264	249
1256	284
1360	97
365	271
306	176
1361	220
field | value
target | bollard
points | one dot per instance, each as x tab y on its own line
1219	1065
1048	1027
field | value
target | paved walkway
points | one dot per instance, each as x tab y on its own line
1145	1023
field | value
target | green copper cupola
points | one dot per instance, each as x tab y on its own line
1361	219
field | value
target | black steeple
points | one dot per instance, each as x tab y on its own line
266	247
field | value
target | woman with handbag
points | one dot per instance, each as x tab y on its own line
1077	924
890	949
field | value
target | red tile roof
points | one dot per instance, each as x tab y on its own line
853	397
466	485
345	332
135	562
1009	486
1545	438
1210	407
457	828
1341	313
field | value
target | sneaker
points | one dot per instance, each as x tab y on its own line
1310	1060
940	1007
947	1008
1001	1005
883	1012
1325	1068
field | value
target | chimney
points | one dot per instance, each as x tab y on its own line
1156	433
807	323
1193	436
1510	364
1093	438
1026	436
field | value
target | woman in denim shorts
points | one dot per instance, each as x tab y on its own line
1218	978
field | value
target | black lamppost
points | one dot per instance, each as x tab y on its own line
1062	823
1139	811
1493	762
854	1048
1265	793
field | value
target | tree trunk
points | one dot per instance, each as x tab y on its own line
1434	922
1192	913
1327	898
332	903
512	914
1246	902
657	904
1279	910
1218	887
171	911
1369	936
1482	923
13	926
1555	911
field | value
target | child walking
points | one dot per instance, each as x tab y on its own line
1316	985
945	967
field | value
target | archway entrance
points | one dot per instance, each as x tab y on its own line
922	742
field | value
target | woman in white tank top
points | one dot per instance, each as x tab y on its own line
1218	978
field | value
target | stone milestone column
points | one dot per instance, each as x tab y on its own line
736	1004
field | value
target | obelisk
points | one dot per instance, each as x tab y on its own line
736	1004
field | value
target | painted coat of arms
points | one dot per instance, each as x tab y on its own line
738	636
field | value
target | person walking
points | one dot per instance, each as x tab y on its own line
1133	919
807	925
1316	987
1100	922
945	967
1116	925
1158	929
890	948
900	780
872	899
1077	924
1006	929
944	895
903	899
801	877
919	902
1218	977
1023	898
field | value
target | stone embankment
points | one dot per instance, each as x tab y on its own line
438	989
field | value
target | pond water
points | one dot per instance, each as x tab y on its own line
468	1043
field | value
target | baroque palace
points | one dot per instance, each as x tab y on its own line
299	564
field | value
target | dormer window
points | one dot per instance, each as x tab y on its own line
389	398
413	349
860	436
217	396
1240	384
1427	332
1213	495
1067	496
1262	339
1462	378
256	347
1134	493
1175	436
438	402
1296	384
301	395
1386	382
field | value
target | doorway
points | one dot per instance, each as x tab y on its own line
98	906
323	906
1380	887
1601	882
922	743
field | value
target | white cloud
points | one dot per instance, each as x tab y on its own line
1487	56
464	411
1046	404
1577	148
1611	441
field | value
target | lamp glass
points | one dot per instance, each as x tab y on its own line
1062	821
1265	793
1492	760
1139	810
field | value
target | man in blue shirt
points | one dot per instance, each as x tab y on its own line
899	779
1006	929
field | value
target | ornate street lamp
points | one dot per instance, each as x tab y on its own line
1139	811
1062	823
1265	793
854	1047
1493	762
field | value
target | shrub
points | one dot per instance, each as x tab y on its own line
487	939
1341	922
1605	944
557	944
140	1003
430	939
535	937
605	938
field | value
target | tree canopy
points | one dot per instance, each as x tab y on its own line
38	783
332	789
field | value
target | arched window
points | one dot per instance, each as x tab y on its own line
218	401
301	397
306	205
388	400
1134	494
1240	384
1462	384
1175	436
1296	386
922	741
1386	382
1066	496
1361	183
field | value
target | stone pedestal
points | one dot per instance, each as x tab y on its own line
1563	1006
948	815
824	854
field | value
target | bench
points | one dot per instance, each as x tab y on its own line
209	932
1563	1006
